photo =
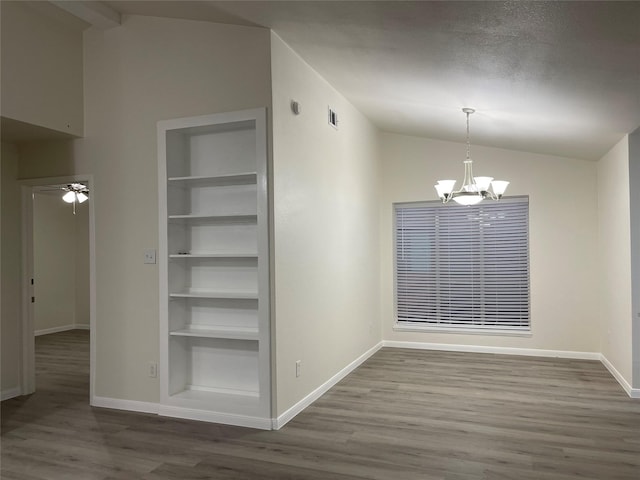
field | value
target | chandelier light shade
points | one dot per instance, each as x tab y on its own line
474	189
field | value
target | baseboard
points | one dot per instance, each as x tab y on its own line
119	404
179	412
10	393
632	392
215	417
63	328
282	420
529	352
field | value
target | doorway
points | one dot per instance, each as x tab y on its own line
58	267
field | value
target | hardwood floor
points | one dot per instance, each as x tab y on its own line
404	414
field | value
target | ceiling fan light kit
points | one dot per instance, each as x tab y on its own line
75	192
474	189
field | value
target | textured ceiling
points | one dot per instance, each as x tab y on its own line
560	78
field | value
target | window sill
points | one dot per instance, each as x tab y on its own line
404	327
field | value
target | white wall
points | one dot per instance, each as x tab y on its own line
60	251
10	271
634	205
146	70
41	66
615	257
325	227
332	215
562	231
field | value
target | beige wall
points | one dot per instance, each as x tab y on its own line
146	70
61	254
326	223
41	66
10	269
562	229
615	257
52	158
332	197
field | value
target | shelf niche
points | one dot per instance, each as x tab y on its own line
214	289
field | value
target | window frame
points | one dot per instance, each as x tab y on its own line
419	326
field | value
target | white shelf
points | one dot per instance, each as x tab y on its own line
242	294
215	181
222	400
214	255
215	219
234	333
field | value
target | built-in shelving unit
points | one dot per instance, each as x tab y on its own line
214	279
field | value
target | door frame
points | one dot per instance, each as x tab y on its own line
28	370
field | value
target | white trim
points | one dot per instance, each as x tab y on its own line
180	412
10	393
62	328
93	335
163	264
129	405
530	352
288	415
416	327
215	417
632	392
28	360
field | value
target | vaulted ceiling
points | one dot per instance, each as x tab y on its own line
559	78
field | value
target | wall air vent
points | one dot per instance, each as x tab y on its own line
333	118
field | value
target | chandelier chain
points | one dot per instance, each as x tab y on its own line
468	138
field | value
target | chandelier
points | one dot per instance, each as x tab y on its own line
474	189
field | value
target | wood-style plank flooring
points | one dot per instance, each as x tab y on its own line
404	414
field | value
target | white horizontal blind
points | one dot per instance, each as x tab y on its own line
463	266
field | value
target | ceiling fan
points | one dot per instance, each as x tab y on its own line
75	193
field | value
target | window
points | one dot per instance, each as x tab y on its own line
463	267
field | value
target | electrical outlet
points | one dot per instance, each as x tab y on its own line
298	366
150	256
153	369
